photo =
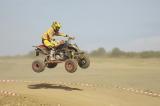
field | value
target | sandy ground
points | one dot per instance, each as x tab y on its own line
95	86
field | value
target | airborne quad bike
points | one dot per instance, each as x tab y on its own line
66	52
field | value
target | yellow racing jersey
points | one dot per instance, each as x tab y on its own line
49	35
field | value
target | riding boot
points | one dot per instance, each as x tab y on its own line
52	54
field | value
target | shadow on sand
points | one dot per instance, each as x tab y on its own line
52	86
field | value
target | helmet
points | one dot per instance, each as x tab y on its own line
56	26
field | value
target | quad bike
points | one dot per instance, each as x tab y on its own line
66	52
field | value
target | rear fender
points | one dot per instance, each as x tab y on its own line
41	49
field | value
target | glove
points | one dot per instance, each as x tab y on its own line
70	37
67	35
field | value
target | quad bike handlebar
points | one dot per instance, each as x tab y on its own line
66	41
70	38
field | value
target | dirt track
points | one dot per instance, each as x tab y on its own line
95	86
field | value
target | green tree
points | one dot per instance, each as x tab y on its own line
99	52
116	52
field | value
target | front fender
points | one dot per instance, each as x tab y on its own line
74	46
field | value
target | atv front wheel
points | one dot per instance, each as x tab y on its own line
38	66
71	65
84	61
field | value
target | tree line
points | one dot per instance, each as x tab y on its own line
116	52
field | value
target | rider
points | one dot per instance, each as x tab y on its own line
48	37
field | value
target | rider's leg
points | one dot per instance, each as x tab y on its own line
51	46
52	54
55	43
48	43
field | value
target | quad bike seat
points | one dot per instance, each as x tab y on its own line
42	49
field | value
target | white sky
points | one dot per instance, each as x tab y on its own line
131	25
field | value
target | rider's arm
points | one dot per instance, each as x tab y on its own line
62	34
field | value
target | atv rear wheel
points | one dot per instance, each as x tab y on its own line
51	65
71	65
38	66
84	61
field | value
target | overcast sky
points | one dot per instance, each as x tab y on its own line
128	24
